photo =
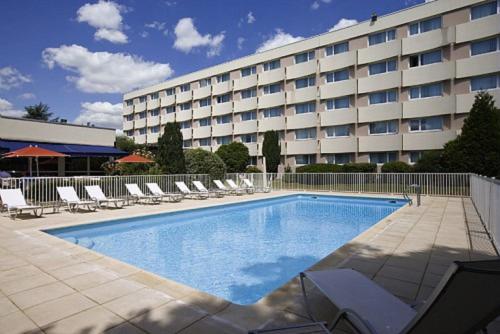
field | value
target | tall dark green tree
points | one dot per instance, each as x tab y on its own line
271	150
38	111
477	148
235	155
170	155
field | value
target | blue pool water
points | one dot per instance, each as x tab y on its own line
239	252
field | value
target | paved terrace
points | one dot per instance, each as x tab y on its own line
52	286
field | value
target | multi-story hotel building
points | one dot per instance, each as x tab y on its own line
382	90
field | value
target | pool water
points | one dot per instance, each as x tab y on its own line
239	252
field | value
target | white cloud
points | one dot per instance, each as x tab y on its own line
170	3
144	34
240	42
343	23
188	38
10	77
105	72
156	25
278	39
250	18
101	113
106	17
315	5
27	96
6	109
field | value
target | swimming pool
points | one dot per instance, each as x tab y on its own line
239	252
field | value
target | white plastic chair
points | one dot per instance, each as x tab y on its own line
96	194
235	187
70	198
155	189
137	194
202	189
14	202
188	193
226	190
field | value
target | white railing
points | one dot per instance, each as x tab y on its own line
485	194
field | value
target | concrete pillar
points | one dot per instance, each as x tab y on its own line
61	167
88	165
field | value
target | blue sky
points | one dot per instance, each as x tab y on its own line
79	57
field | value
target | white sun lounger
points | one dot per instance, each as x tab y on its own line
137	194
188	193
96	194
234	187
251	188
70	198
155	189
15	203
202	189
226	190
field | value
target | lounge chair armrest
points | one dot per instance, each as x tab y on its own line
366	328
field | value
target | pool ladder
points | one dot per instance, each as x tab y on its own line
417	191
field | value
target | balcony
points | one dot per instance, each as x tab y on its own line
302	95
379	52
271	123
140	107
269	77
271	100
128	125
140	139
202	132
167	100
168	118
202	92
245	104
245	82
302	147
245	127
152	138
301	121
140	123
222	88
253	149
186	134
153	104
338	117
202	112
428	73
336	89
380	143
336	62
477	29
433	106
434	140
301	70
338	145
127	110
184	115
380	112
478	65
379	82
153	120
219	130
184	96
465	101
222	108
428	40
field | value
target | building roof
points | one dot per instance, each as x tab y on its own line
72	150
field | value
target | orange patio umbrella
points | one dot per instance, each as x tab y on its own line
134	158
34	152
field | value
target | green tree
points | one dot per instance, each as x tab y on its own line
396	167
38	111
271	150
477	148
235	156
430	162
126	144
170	155
199	161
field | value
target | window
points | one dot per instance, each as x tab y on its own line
205	102
248	93
386	96
185	87
129	103
305	82
273	112
223	77
305	134
248	115
487	9
142	99
141	115
129	133
186	143
205	82
415	156
223	140
425	25
271	89
204	141
142	131
224	98
154	96
485	82
170	109
303	57
154	112
185	125
205	121
337	75
249	138
383	67
304	108
248	71
484	46
129	117
154	129
170	91
337	131
383	128
339	158
305	159
426	124
224	119
383	157
424	91
337	48
382	37
252	161
272	65
426	58
338	103
185	106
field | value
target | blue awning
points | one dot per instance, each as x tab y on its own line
73	150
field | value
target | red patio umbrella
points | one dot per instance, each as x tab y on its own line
33	152
134	158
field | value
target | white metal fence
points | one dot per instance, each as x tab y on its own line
485	193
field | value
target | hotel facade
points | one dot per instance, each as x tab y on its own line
383	90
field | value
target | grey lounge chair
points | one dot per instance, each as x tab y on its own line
466	300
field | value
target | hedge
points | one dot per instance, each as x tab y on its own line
332	168
396	167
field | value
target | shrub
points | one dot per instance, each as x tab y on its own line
319	168
235	156
252	169
170	155
359	167
430	162
199	161
396	167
